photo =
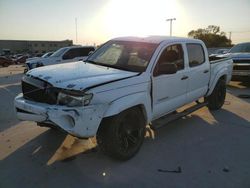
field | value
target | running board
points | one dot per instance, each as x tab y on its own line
175	115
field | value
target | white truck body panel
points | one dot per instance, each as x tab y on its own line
116	90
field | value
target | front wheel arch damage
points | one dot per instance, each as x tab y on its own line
121	136
140	107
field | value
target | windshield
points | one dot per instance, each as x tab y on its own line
241	48
59	52
124	55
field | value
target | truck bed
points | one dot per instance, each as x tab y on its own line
217	59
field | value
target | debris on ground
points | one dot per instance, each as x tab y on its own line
171	171
226	169
227	103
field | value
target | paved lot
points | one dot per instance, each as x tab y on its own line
201	150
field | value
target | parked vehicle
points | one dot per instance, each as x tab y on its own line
46	55
63	55
240	54
21	59
5	62
123	86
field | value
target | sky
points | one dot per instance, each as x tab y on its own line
101	20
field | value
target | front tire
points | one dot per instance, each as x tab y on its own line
217	98
121	136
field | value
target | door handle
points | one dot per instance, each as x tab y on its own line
184	78
205	71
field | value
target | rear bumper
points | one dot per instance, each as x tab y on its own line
81	122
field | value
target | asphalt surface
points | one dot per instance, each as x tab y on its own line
204	149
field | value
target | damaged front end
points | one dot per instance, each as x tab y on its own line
67	109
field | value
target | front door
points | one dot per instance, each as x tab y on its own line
169	90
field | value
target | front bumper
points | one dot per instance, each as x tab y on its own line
81	122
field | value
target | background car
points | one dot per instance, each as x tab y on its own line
21	59
5	62
240	54
63	55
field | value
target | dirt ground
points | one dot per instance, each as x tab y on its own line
204	149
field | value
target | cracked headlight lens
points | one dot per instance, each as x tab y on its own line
71	100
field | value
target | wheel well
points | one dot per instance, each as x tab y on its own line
223	78
144	112
140	107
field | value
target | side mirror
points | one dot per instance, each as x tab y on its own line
167	68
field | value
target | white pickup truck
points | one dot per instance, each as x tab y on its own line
123	86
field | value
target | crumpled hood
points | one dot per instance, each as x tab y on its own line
78	75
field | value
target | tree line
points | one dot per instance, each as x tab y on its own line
211	36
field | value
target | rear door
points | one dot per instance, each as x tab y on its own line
169	90
199	71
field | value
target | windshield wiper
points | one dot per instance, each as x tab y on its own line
98	63
91	61
111	66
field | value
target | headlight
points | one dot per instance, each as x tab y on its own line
74	99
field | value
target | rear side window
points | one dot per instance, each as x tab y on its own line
195	54
70	54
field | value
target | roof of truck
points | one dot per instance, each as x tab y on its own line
156	39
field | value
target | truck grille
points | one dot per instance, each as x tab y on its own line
39	91
241	61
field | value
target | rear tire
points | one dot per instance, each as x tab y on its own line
121	136
217	98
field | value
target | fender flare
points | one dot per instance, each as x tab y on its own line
220	74
141	99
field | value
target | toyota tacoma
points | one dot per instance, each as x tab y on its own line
126	84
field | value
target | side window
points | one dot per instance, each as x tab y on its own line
85	51
195	54
171	55
70	54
